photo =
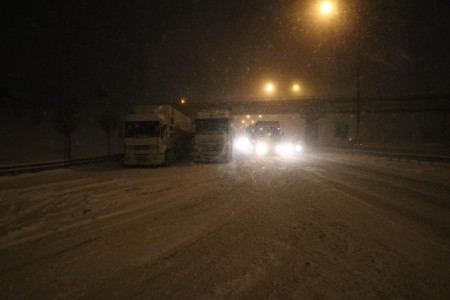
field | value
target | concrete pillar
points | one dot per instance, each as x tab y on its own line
311	131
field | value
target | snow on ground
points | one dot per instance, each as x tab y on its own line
322	225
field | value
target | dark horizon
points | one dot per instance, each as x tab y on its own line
164	50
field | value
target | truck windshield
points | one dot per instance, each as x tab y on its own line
267	131
211	125
141	129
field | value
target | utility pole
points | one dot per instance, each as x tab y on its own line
358	82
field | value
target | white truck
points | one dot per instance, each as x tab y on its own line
155	135
267	139
213	135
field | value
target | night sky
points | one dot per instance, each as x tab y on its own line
163	50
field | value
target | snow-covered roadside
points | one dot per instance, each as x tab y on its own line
308	227
40	210
422	170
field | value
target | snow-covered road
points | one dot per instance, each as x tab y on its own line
313	227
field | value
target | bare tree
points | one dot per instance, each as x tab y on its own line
65	121
108	121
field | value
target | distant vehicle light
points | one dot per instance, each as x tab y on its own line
243	144
261	149
298	148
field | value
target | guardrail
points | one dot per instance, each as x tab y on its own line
394	155
37	167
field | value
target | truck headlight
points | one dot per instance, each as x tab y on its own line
285	149
261	148
243	144
298	148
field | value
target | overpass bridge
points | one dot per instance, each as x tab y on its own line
319	110
324	105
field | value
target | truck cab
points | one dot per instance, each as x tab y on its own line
155	135
213	135
265	137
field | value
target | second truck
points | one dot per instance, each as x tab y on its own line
213	135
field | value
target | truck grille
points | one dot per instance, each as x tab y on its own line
141	157
141	147
147	148
212	147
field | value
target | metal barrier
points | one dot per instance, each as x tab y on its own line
37	167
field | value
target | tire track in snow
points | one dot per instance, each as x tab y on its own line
62	206
365	191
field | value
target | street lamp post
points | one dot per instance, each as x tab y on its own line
358	83
326	8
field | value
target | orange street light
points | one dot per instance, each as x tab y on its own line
269	88
326	8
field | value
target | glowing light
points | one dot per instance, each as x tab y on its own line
261	149
296	88
183	101
270	87
259	116
285	149
248	116
243	122
243	145
326	8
